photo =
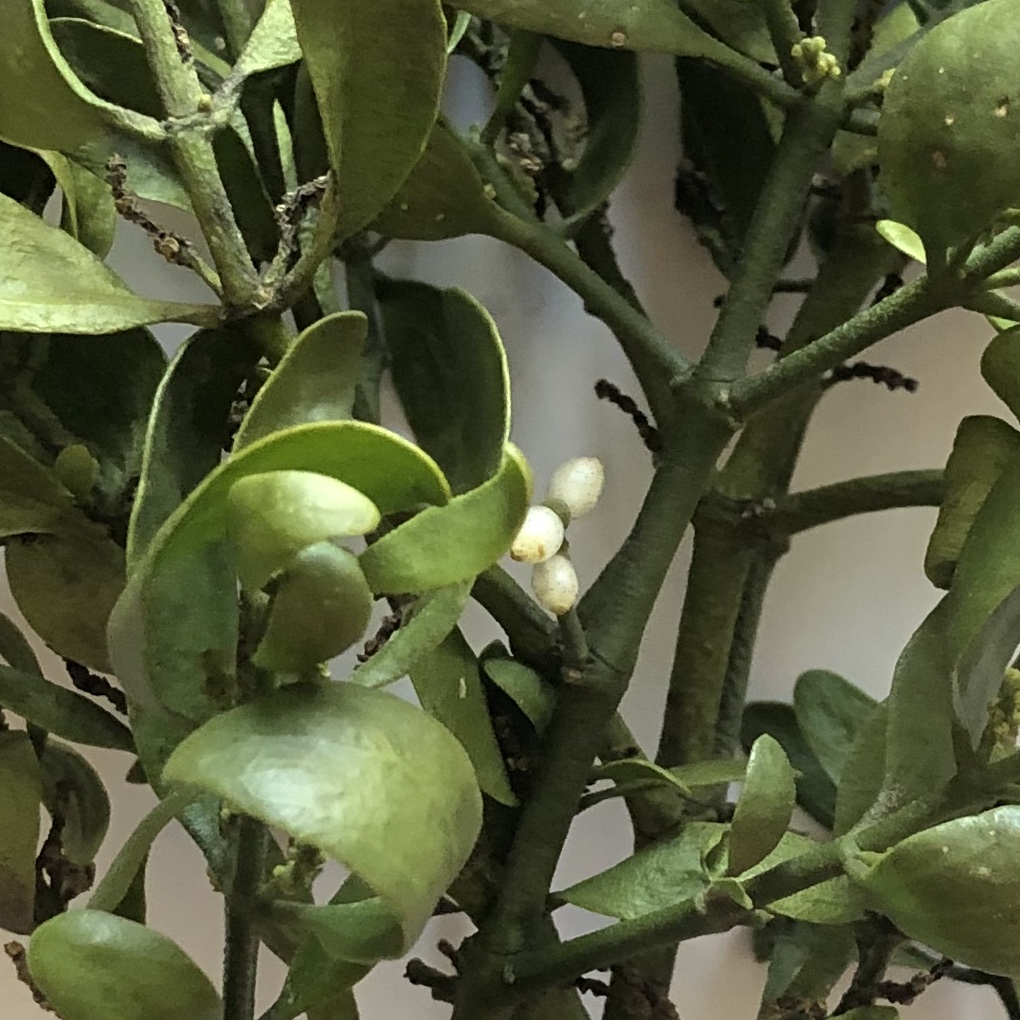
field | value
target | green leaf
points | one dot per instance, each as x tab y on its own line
863	772
363	931
377	70
611	89
903	239
972	863
66	586
89	214
1000	367
60	711
32	498
93	966
314	381
246	192
25	177
443	196
919	754
342	768
109	415
524	687
983	611
640	770
15	649
727	149
829	713
186	430
51	283
19	830
321	605
833	902
661	875
423	627
738	23
982	448
716	772
657	26
816	792
449	688
318	981
450	372
73	790
446	544
131	858
273	516
765	806
941	128
273	42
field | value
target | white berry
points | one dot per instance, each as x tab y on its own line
540	537
554	583
577	484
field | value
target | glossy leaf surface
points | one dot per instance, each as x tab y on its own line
765	806
342	768
446	544
377	70
51	283
19	830
450	371
94	966
314	381
981	450
975	916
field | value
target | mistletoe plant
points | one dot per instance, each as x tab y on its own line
198	539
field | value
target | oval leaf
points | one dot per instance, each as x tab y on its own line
829	712
447	544
93	966
377	70
1000	367
863	771
975	916
763	812
449	368
274	515
314	381
19	830
342	768
51	283
321	606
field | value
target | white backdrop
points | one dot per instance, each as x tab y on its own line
846	598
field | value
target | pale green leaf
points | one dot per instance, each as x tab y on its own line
524	687
377	70
88	212
51	283
314	381
903	239
273	42
829	711
446	544
863	771
93	966
342	768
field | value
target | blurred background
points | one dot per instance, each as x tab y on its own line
845	598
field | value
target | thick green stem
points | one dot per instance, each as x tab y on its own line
815	507
785	32
240	961
183	97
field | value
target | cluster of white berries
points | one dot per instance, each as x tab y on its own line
573	491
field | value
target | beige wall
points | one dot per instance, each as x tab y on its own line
846	598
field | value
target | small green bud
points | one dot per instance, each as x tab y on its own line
77	469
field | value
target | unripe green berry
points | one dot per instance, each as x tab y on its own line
540	537
577	485
554	583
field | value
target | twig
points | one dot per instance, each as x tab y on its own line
16	954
